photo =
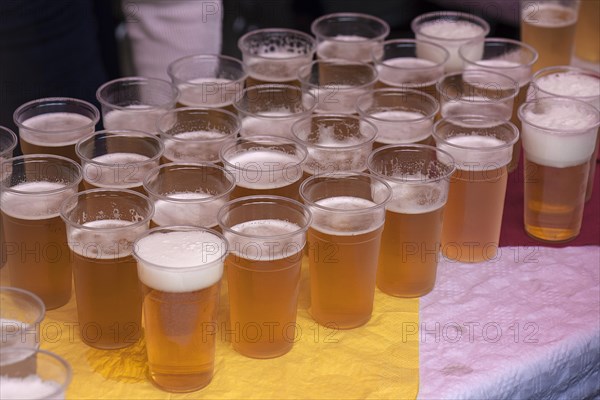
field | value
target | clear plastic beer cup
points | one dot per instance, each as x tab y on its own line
559	135
8	142
208	80
20	317
180	270
197	134
46	376
53	125
419	176
37	254
349	36
188	193
348	215
135	102
102	225
482	149
266	235
274	55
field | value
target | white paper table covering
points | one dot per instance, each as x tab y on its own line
529	327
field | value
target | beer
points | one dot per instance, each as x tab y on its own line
187	208
8	142
278	67
209	92
473	213
117	170
54	133
587	43
265	172
550	29
194	146
36	243
106	282
449	30
180	271
268	123
136	117
338	98
397	126
343	249
559	135
348	47
264	282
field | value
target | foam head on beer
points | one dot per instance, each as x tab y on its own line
180	259
565	81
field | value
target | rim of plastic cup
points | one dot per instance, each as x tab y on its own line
386	26
174	92
175	111
266	139
565	131
26	157
364	114
337	147
68	370
174	64
71	202
32	296
119	133
305	80
179	228
303	97
50	100
453	15
242	46
379	61
530	49
515	85
341	175
154	171
567	69
13	142
486	123
451	163
258	199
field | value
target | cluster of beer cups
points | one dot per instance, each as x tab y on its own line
369	160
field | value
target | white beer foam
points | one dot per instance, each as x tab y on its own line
60	129
398	126
409	71
281	67
29	387
515	70
415	196
272	123
33	205
194	146
550	16
338	98
209	92
349	223
450	35
264	169
477	105
348	47
110	239
555	149
187	212
262	247
127	170
178	262
136	117
572	85
474	157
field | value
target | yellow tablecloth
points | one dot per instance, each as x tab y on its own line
379	360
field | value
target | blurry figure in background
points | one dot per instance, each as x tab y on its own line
68	48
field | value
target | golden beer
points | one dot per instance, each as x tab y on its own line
36	243
559	135
266	235
482	149
102	225
587	43
8	142
180	269
550	29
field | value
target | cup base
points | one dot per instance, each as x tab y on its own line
551	235
412	294
332	323
274	353
181	383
